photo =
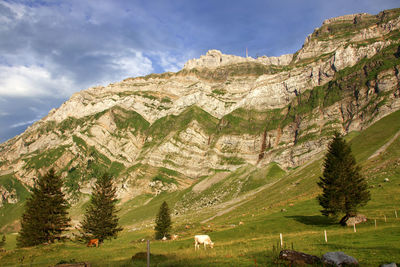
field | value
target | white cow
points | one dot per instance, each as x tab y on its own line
202	239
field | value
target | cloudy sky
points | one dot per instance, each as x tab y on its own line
50	49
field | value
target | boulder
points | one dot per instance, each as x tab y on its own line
338	258
359	218
350	221
298	258
389	265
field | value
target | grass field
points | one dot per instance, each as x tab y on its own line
286	204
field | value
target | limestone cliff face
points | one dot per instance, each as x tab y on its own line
160	132
215	58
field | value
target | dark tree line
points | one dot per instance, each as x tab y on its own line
46	212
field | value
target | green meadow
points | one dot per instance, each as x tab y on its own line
246	226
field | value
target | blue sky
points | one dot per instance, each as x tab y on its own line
51	49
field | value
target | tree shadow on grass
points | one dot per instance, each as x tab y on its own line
316	220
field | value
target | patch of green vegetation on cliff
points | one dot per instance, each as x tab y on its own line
164	75
46	158
219	91
9	182
125	119
72	180
176	123
169	172
10	212
71	123
80	143
47	127
166	100
231	160
242	121
164	179
96	165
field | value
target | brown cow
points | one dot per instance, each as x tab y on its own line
93	242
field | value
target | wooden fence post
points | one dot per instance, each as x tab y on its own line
280	235
355	230
326	238
375	223
148	253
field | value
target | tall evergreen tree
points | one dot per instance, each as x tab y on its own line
344	189
3	241
100	220
45	216
163	222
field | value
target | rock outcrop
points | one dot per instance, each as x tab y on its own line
298	258
338	259
214	59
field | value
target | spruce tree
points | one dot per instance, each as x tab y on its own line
163	222
45	216
3	241
100	220
344	189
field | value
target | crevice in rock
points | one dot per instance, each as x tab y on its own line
263	146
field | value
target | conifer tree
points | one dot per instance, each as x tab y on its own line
163	222
3	241
100	220
344	189
45	216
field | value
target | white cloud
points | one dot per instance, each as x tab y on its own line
19	124
132	64
33	81
169	62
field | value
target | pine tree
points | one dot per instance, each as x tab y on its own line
45	216
344	189
163	222
3	241
101	220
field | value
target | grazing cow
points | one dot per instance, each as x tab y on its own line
202	239
174	237
93	242
164	238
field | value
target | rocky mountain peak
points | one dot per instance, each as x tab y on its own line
215	58
353	18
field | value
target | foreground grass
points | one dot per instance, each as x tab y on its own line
243	245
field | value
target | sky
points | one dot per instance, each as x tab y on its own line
51	49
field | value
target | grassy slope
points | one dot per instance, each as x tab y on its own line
302	225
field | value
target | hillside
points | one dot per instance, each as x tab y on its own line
246	228
214	136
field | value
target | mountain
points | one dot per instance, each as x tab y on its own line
189	131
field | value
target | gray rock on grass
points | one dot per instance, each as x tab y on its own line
338	258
